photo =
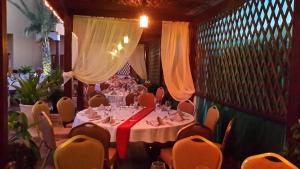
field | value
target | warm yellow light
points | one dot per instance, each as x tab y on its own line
120	47
144	21
126	39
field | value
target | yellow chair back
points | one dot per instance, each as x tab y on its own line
212	118
267	161
97	100
187	107
147	100
66	109
79	152
195	151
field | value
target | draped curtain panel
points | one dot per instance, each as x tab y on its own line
138	63
175	60
101	49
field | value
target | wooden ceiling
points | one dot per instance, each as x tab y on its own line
157	10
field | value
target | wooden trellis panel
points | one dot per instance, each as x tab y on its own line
242	57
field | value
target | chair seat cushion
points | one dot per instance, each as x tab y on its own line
61	132
166	156
112	155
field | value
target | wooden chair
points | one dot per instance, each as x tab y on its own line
267	161
66	110
187	107
97	100
141	89
226	136
130	98
79	152
187	131
41	106
104	86
195	151
160	93
90	90
48	136
100	134
147	100
212	118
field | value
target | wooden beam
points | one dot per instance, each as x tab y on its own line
68	24
214	11
3	85
57	59
80	96
294	72
153	16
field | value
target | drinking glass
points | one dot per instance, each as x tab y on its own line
158	165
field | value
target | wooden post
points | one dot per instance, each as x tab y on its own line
80	96
294	72
3	85
57	58
68	23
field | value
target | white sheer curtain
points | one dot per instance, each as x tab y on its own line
99	57
137	61
175	60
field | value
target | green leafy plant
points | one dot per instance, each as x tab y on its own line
22	149
25	70
33	88
42	22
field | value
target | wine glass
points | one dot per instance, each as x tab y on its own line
168	106
158	165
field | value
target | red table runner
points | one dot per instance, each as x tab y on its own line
123	131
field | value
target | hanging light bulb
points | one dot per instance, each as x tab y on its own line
126	39
144	21
120	47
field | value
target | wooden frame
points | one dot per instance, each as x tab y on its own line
3	85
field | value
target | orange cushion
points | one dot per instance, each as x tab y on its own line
166	156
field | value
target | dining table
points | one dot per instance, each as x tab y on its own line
161	125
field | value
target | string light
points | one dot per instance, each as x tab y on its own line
120	47
53	11
126	39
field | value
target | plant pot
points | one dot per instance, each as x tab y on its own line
27	110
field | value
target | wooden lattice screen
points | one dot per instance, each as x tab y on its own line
242	57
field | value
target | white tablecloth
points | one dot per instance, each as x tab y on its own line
141	131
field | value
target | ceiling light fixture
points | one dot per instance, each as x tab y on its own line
144	21
126	39
120	47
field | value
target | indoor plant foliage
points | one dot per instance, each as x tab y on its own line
34	88
42	21
22	149
292	152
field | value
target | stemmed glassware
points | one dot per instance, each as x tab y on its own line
168	106
158	165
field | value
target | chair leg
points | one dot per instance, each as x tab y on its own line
46	158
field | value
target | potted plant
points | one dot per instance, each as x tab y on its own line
23	151
42	23
292	151
34	88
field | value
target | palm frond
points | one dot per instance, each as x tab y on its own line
42	19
